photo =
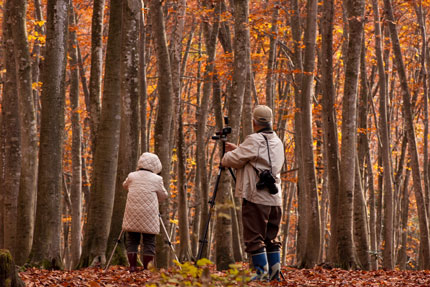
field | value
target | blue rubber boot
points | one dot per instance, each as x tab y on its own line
259	261
274	259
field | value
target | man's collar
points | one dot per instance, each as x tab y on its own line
265	130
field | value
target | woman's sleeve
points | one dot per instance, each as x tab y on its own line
126	183
161	191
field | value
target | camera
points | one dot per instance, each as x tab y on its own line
267	180
222	134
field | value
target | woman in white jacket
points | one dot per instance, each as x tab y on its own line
141	217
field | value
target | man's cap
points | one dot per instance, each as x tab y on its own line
262	114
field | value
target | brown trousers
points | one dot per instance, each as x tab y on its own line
132	241
260	226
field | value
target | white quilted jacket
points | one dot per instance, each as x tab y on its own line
145	189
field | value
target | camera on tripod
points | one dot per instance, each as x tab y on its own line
222	134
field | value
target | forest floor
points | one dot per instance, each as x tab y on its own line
119	276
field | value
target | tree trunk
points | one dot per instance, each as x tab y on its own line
29	144
96	66
372	213
360	224
164	116
175	58
271	62
106	150
142	83
223	232
76	185
2	142
129	127
407	110
424	56
404	209
11	145
312	246
298	66
363	145
286	226
184	228
200	206
383	126
8	274
345	246
203	110
46	250
241	61
36	56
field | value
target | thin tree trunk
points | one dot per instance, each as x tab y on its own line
200	206
11	145
404	209
383	126
363	145
241	52
360	224
76	185
424	56
307	158
286	226
203	110
407	110
29	144
271	62
2	174
184	234
106	150
46	250
355	11
96	66
175	60
164	116
36	56
295	23
143	83
372	213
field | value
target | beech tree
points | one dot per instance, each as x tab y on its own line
10	143
76	184
106	150
355	12
28	137
413	153
129	136
164	115
46	250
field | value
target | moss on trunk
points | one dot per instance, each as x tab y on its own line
8	274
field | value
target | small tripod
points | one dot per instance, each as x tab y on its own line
221	135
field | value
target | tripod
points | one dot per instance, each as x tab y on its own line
165	232
221	135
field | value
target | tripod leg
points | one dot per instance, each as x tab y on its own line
113	250
168	238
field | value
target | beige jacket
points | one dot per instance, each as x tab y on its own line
145	189
253	152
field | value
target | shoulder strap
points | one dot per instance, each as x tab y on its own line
268	151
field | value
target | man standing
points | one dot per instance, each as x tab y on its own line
259	160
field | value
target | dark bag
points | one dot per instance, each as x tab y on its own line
266	177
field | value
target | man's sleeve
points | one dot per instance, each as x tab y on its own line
245	152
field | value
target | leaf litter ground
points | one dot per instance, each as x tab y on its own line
119	276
